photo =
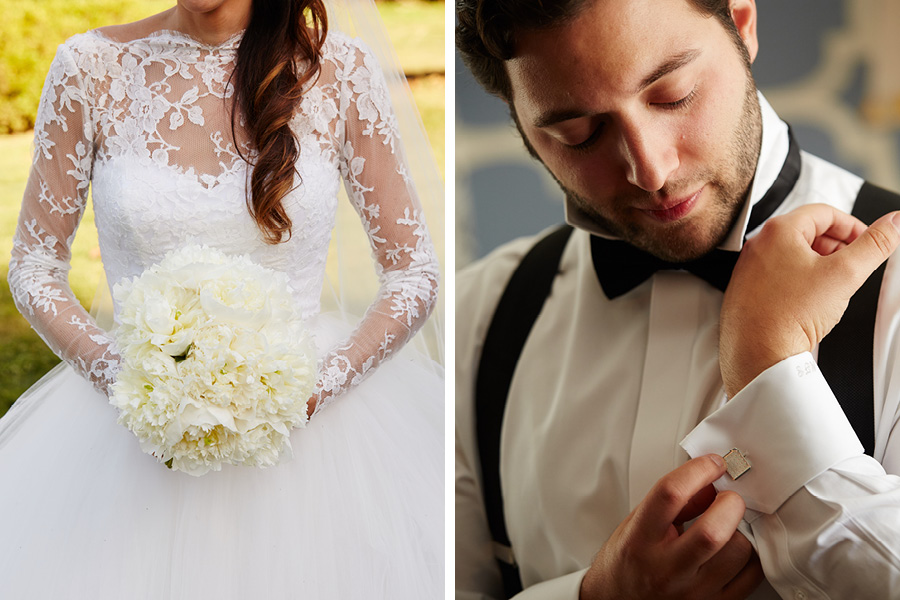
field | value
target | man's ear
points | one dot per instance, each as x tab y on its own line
743	13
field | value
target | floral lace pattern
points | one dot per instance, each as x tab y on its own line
146	124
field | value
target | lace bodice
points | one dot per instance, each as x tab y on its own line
147	123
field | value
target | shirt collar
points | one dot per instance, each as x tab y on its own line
773	151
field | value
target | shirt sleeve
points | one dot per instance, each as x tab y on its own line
824	518
53	204
379	186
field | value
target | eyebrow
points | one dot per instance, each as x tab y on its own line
672	64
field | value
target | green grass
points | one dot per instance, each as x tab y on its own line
23	355
418	27
417	31
30	31
429	96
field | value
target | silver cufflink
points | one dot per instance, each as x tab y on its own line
736	463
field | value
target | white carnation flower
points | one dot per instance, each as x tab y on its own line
217	365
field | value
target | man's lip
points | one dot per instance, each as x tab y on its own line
675	208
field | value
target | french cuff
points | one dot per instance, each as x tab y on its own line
788	425
567	587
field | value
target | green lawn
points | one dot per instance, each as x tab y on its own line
418	28
420	48
29	34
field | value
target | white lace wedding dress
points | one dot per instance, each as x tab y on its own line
358	511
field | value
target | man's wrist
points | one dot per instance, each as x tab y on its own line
746	365
789	426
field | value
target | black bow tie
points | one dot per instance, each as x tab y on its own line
621	267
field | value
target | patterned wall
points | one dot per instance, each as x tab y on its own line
831	68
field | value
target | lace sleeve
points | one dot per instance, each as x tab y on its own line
54	201
379	186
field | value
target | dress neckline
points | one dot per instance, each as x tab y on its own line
228	44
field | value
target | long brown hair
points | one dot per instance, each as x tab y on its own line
278	55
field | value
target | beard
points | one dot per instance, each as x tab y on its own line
727	184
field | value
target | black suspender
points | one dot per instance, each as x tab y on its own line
516	312
845	358
845	355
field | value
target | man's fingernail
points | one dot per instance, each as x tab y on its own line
720	462
895	220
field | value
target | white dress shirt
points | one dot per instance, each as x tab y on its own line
610	395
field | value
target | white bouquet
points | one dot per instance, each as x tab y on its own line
217	365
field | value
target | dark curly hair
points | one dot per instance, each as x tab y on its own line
486	30
278	55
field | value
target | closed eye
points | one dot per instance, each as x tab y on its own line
590	140
681	103
677	104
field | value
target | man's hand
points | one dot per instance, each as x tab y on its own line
648	556
792	284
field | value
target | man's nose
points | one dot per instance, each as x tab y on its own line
651	156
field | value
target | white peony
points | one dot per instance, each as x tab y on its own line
217	365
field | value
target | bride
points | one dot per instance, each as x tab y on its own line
229	123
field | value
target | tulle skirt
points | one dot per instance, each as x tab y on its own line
356	513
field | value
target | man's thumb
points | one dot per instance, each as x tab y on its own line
873	246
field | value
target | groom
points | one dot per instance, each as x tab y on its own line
614	421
